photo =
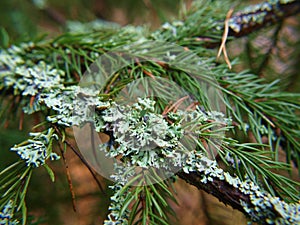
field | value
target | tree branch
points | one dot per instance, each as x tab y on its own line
82	160
244	196
260	16
256	17
218	188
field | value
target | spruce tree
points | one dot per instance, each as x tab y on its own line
147	108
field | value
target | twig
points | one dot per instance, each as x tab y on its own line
175	106
224	38
82	160
261	16
68	177
21	120
241	24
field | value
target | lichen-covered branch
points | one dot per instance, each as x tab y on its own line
245	195
197	29
218	188
261	15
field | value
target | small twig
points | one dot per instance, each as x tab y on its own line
149	74
175	106
87	165
21	121
224	38
166	110
270	17
278	12
82	160
192	106
179	102
31	101
68	177
144	71
109	85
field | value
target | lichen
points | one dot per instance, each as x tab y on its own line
262	207
142	134
74	106
36	151
256	14
6	216
121	177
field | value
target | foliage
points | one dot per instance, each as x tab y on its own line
43	76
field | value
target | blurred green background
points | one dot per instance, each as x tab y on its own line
25	20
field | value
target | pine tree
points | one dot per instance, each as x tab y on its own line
147	108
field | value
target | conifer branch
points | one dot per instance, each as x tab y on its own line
218	188
262	15
86	164
256	17
44	75
244	196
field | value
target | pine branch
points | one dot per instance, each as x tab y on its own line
44	75
244	196
86	164
262	15
256	17
218	188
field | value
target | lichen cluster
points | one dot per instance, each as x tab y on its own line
116	215
256	14
38	149
264	207
73	106
6	215
142	135
148	139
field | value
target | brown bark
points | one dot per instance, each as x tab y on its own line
218	188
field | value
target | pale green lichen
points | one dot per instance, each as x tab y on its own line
74	106
12	57
148	139
9	62
37	79
256	14
263	206
142	134
121	177
117	202
36	151
32	81
7	214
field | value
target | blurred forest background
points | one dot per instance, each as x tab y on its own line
270	54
